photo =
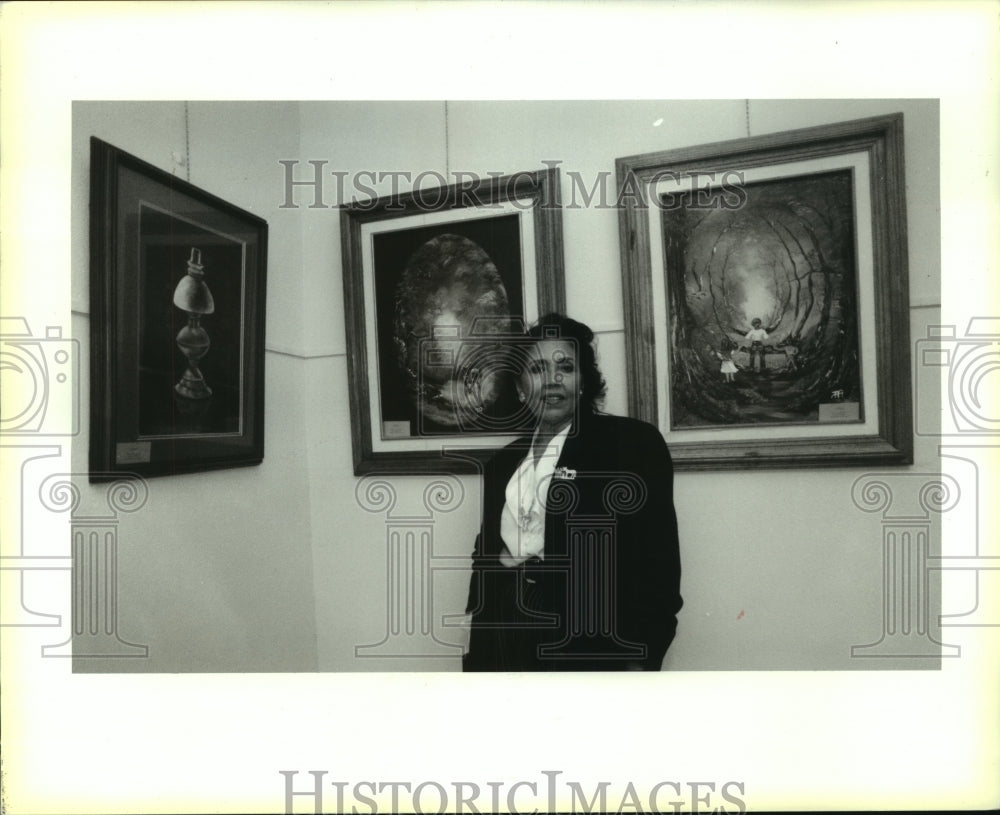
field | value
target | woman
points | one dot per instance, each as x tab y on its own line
576	566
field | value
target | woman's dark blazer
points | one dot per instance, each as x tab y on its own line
607	593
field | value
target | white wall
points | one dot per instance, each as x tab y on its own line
215	571
781	570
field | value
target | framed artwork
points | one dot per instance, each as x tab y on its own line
439	285
177	282
766	299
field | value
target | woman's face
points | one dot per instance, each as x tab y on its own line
551	383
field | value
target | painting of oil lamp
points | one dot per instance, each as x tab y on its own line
193	297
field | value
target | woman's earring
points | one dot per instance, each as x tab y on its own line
520	396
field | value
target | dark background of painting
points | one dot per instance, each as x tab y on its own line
165	245
798	229
499	237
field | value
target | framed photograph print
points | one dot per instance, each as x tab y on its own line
766	299
439	286
177	284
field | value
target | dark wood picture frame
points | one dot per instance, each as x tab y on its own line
156	243
519	223
653	259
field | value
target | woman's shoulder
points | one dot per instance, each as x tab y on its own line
624	426
622	437
510	454
617	442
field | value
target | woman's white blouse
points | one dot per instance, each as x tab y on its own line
522	523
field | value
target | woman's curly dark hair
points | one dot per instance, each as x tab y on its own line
559	326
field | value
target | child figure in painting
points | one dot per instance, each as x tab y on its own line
756	336
725	354
791	349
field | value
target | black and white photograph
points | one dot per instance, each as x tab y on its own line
394	413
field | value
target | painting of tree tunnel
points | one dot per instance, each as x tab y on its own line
762	303
765	282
